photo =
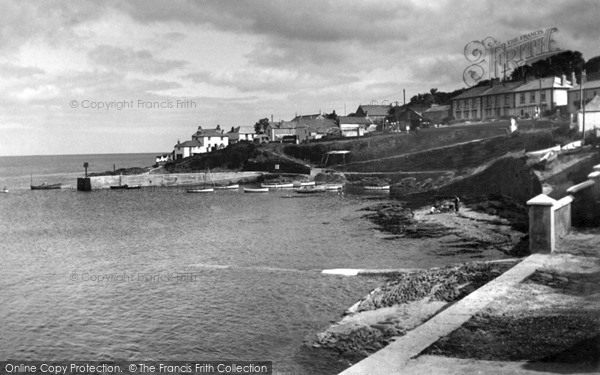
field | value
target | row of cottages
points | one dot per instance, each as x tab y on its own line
203	141
527	98
241	133
400	116
305	128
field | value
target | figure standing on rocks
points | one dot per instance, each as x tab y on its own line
456	203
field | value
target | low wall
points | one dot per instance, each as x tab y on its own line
550	219
165	180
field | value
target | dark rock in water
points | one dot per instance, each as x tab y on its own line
330	177
399	220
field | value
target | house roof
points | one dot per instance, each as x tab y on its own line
593	105
308	117
375	110
543	83
588	85
354	120
217	132
514	86
192	143
286	125
437	108
318	125
242	129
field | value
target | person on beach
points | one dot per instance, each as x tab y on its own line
456	203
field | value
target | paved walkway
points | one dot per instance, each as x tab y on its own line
402	356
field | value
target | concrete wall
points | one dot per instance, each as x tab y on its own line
550	219
175	179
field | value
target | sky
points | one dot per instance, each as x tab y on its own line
89	77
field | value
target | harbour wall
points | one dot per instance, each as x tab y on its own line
166	180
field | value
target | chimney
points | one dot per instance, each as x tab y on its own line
271	117
218	127
199	128
563	80
573	80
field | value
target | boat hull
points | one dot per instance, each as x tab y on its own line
256	190
386	187
209	190
228	187
311	190
278	186
46	187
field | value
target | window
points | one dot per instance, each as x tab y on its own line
543	96
522	98
532	97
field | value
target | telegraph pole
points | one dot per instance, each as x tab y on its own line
582	92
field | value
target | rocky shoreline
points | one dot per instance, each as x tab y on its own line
405	301
401	304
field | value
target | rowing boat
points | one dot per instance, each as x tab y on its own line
278	186
228	187
256	190
207	190
385	187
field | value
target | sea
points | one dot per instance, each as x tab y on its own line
158	274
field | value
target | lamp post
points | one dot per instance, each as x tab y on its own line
86	165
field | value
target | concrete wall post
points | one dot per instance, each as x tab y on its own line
595	176
541	224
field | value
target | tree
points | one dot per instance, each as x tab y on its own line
433	93
261	126
555	65
331	116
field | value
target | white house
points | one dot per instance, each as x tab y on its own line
203	141
211	139
354	126
592	116
160	159
241	133
186	149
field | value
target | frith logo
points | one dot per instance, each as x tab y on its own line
492	59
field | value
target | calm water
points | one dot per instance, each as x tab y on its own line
186	276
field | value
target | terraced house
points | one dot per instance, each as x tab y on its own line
526	98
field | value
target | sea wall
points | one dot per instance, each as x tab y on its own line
550	219
174	179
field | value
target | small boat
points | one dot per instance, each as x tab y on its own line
384	187
116	187
278	186
228	187
332	186
4	190
256	190
307	183
129	187
311	190
45	186
207	190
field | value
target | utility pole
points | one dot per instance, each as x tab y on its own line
583	76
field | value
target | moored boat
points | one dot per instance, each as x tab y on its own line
207	190
116	187
45	186
278	186
384	187
256	190
332	186
4	190
228	187
129	187
307	183
311	189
